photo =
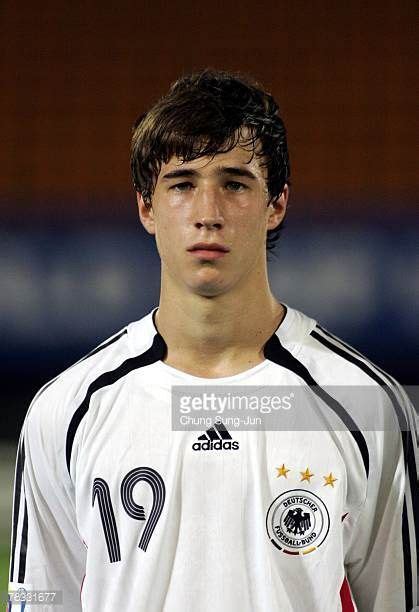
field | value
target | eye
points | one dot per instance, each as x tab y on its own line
185	186
235	186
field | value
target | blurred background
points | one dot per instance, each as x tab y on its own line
75	264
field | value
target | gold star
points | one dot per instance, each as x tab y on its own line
306	475
329	480
282	471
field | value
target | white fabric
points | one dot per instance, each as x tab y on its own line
210	550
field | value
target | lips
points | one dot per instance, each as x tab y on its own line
208	251
209	246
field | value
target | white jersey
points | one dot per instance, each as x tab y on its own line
117	511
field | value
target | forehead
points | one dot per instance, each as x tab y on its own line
239	157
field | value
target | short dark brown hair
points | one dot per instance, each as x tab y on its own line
207	113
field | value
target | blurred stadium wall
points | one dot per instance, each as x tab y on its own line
75	265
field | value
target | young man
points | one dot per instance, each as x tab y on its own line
117	510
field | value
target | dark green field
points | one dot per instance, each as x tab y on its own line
4	569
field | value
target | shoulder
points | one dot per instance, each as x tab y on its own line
55	403
52	409
333	363
331	359
60	405
59	414
71	383
43	436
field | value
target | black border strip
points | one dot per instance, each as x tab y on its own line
353	351
156	352
408	452
408	579
406	433
274	351
16	502
23	547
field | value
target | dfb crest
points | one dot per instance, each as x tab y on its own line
297	522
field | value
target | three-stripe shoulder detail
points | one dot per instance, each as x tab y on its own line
389	386
20	520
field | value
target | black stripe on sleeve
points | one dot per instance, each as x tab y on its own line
274	351
23	546
16	502
156	352
353	351
406	433
408	449
19	552
408	582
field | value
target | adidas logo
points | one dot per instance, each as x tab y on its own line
215	438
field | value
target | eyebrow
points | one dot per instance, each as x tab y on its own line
220	170
236	171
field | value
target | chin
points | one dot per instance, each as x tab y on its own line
209	289
212	283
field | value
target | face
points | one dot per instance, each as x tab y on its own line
215	201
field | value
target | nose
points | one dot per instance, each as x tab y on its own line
208	213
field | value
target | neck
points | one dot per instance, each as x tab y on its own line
220	335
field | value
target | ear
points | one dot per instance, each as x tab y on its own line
146	214
277	209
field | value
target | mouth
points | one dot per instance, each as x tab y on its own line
208	251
